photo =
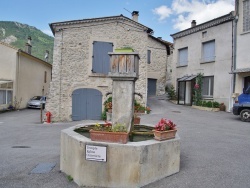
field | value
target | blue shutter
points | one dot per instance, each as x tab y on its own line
101	58
209	51
151	87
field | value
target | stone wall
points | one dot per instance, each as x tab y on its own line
72	61
158	65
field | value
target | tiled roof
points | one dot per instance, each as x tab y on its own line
92	20
8	45
206	25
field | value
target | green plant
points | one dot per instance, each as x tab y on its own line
209	104
198	89
103	127
216	104
171	92
104	115
107	127
70	179
119	127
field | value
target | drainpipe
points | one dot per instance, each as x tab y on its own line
60	88
17	76
234	50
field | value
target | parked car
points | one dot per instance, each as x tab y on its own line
36	102
242	108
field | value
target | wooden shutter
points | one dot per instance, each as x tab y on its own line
101	58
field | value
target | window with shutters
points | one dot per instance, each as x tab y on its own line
183	57
246	15
208	51
101	59
207	86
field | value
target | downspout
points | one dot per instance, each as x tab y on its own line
17	76
234	51
60	88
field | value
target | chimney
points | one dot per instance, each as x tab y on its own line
135	15
193	23
28	46
46	57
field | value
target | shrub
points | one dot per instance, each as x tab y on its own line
209	104
171	92
216	104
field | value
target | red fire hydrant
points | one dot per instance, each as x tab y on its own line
48	114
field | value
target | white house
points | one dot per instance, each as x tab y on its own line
22	76
241	66
207	49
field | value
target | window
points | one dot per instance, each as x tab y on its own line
183	56
45	76
246	15
101	59
208	51
149	56
6	92
204	34
5	96
208	86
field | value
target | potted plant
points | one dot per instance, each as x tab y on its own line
137	119
109	106
108	133
164	129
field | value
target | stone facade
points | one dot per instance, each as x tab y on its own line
157	68
72	59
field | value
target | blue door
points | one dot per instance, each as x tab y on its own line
86	104
151	87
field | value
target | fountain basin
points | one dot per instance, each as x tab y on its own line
134	164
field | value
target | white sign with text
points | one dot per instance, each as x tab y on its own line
96	153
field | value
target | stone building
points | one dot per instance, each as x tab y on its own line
81	64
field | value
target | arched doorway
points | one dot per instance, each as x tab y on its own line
86	104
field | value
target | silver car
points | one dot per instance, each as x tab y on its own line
36	102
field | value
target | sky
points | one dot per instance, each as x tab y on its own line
165	17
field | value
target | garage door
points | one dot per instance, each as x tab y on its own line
86	104
151	87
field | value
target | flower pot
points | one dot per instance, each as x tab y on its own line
137	120
164	135
115	137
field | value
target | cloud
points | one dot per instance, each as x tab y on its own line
163	12
48	32
184	11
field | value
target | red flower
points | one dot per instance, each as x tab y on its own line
196	86
164	125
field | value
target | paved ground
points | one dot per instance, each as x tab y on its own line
215	149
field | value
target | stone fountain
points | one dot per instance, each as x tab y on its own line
134	164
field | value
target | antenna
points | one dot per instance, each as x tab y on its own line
127	10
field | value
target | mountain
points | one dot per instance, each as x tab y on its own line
16	34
